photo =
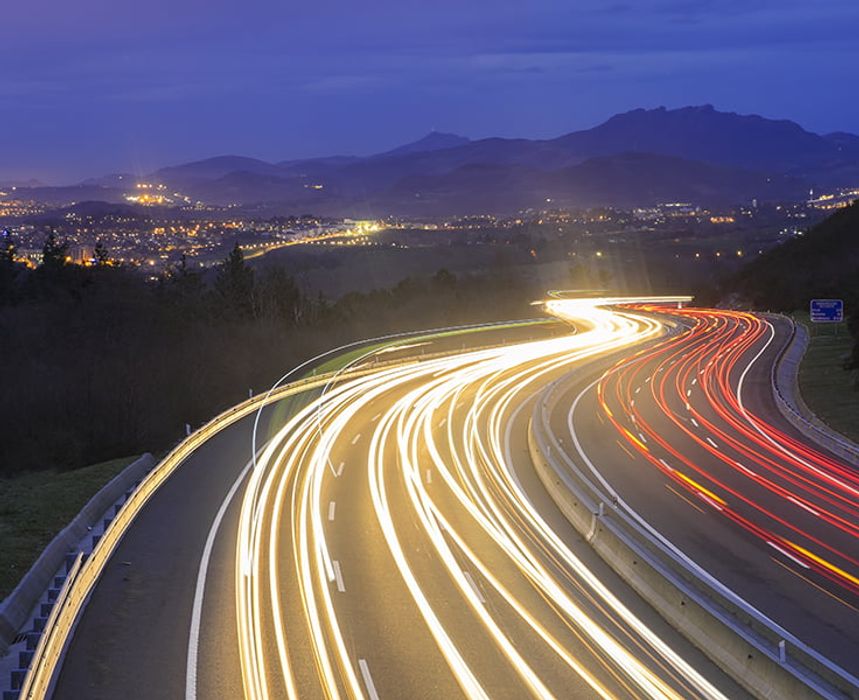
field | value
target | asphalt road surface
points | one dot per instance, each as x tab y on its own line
687	434
393	541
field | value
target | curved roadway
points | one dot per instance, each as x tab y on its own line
392	541
687	435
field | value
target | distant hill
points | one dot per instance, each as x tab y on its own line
214	168
822	263
624	180
698	154
725	138
433	141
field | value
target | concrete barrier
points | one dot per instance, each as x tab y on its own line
15	610
788	398
757	673
754	655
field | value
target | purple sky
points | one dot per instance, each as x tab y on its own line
96	86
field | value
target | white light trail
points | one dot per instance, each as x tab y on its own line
447	417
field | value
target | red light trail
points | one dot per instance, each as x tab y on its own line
696	381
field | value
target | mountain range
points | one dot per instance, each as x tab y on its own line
638	158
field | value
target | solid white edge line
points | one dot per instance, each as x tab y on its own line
200	589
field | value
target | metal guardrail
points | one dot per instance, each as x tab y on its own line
48	652
812	668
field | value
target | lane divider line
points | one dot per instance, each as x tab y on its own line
368	679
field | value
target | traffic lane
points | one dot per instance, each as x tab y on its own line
382	621
764	497
132	638
377	613
523	468
134	630
758	395
218	673
726	551
471	632
388	599
735	480
735	439
551	617
401	660
692	416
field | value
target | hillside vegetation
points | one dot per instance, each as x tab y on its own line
97	362
822	263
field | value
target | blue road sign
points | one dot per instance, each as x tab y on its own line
827	310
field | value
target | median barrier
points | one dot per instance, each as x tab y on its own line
756	652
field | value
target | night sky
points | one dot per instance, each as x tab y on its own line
96	86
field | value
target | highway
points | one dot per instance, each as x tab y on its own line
687	436
391	541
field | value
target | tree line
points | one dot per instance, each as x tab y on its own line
97	362
821	263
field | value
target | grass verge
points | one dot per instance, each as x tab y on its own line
35	506
829	390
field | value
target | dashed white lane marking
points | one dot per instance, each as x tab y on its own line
745	468
376	417
712	443
368	679
429	476
443	423
788	554
803	505
338	576
331	506
474	587
339	470
695	423
637	390
694	381
356	438
688	392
